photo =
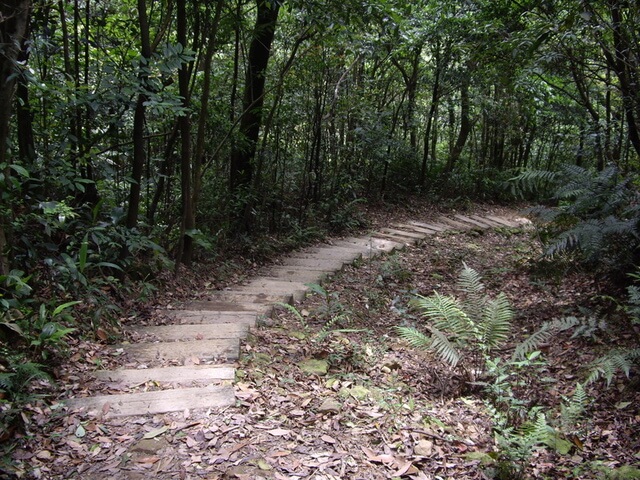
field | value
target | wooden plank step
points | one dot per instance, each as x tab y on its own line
436	227
174	333
491	223
176	375
197	317
404	233
298	274
477	223
415	228
202	349
162	401
372	243
395	238
230	307
455	224
503	221
314	263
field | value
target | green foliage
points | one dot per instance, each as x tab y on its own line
617	360
596	214
462	330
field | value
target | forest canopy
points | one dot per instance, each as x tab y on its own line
138	133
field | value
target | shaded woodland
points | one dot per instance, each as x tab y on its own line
139	138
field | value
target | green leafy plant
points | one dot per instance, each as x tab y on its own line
462	332
594	214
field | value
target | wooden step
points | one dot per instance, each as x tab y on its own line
203	316
477	223
415	228
161	401
403	233
504	221
201	349
455	224
436	227
174	333
177	375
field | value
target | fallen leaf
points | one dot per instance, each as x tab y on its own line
279	432
372	456
44	455
280	453
148	459
328	439
156	432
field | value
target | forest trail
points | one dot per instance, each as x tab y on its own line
189	361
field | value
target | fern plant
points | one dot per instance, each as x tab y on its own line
595	214
462	331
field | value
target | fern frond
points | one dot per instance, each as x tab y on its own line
573	408
6	381
414	337
532	342
613	362
471	286
444	348
470	281
496	321
316	288
293	310
540	336
445	313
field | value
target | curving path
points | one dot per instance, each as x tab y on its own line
189	361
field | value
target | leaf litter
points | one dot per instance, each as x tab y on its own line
382	410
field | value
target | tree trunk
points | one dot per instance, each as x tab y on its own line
184	124
465	127
139	150
14	24
244	152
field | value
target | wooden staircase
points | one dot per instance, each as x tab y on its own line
188	363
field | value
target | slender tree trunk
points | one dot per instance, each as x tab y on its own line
139	116
435	94
627	70
14	24
184	124
243	153
465	127
199	154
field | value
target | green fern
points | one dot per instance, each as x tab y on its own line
474	325
496	322
541	335
596	216
607	366
572	408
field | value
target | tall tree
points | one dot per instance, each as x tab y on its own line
14	23
244	151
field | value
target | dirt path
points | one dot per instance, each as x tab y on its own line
189	359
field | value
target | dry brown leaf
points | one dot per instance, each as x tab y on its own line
279	432
328	439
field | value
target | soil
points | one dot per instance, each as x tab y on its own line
382	409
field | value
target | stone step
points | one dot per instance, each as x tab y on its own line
230	307
297	274
204	350
161	401
176	375
174	333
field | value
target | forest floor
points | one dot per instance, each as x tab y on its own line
382	409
